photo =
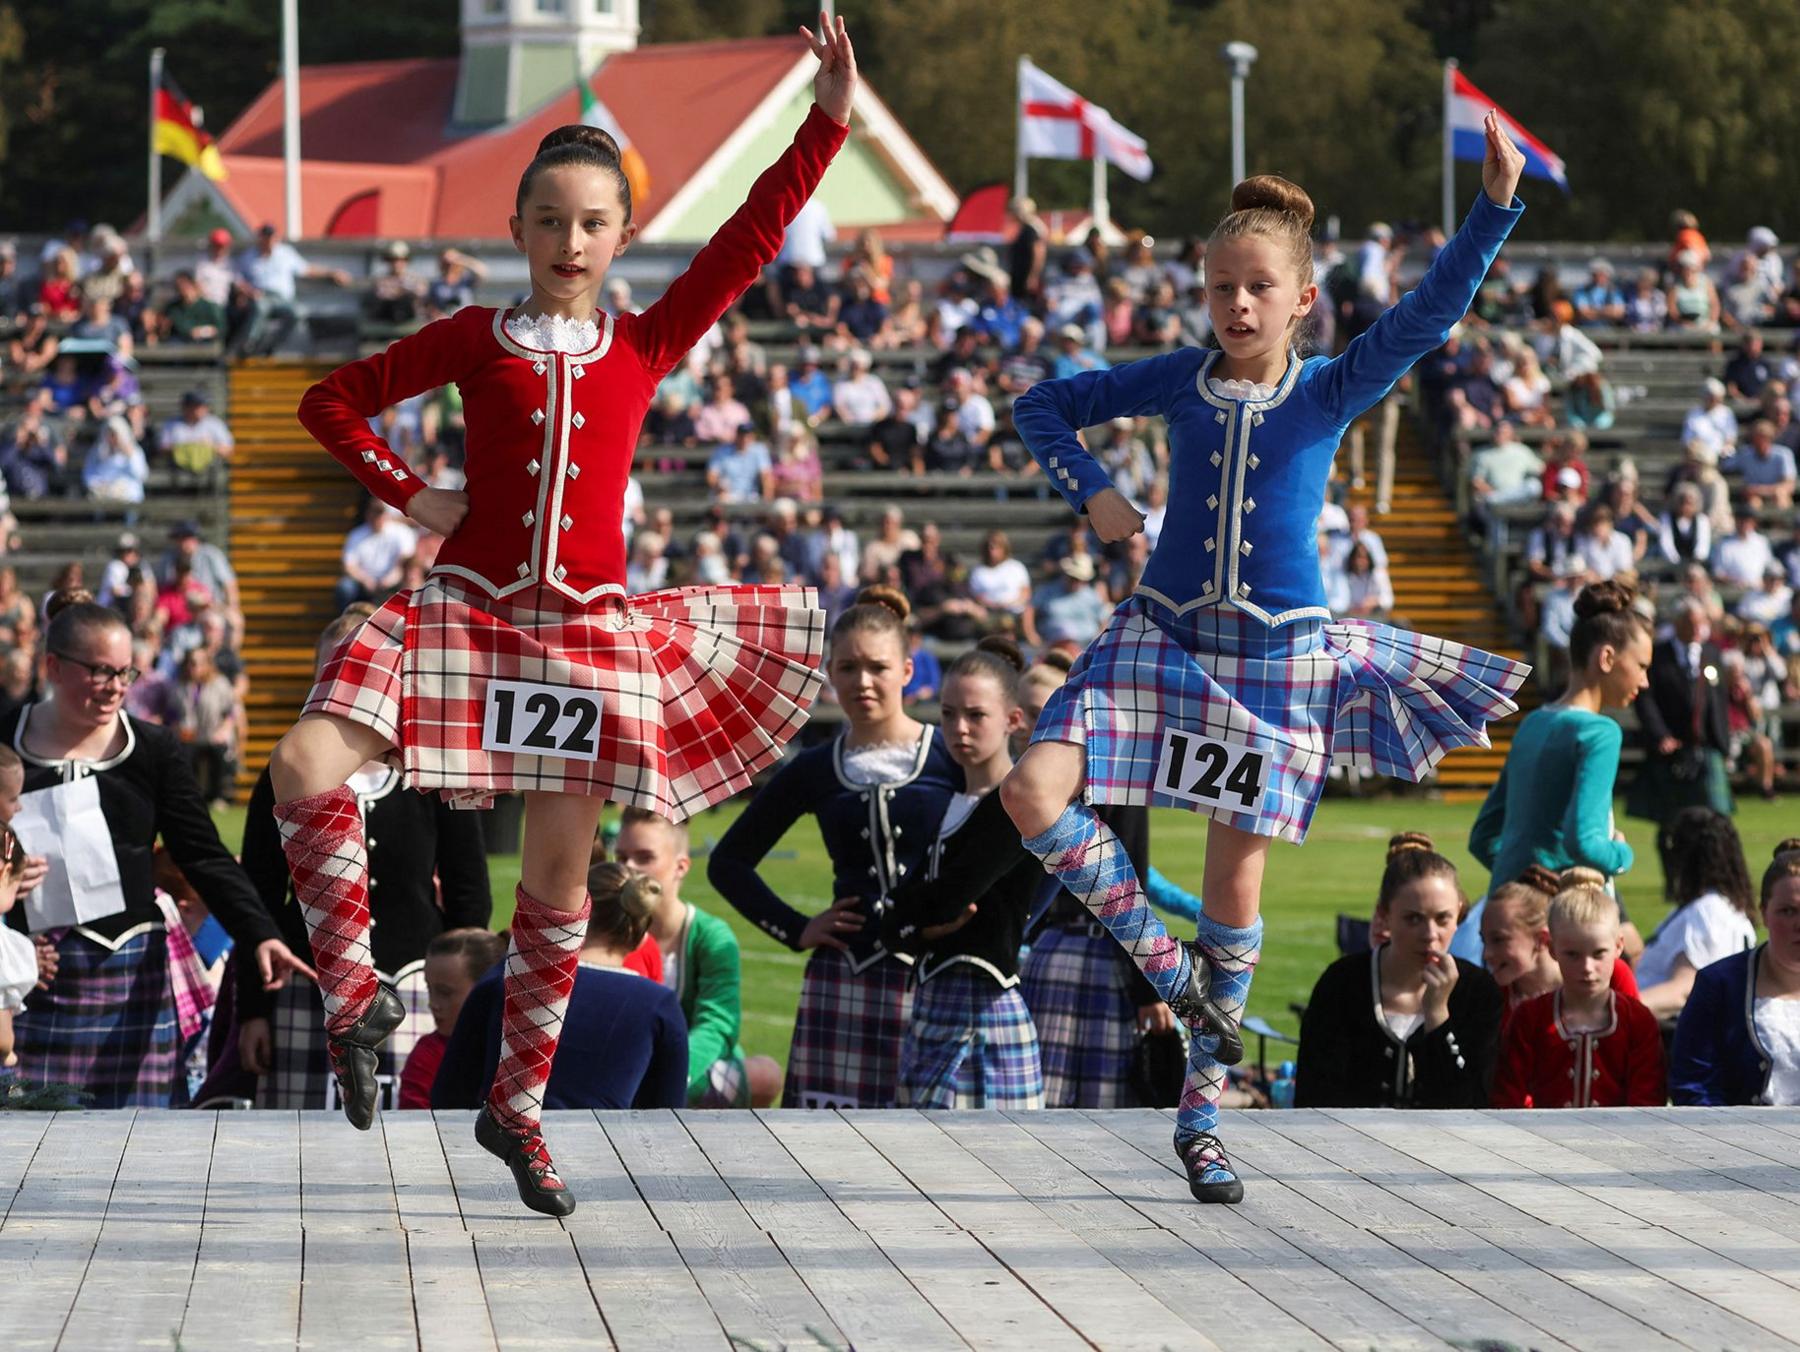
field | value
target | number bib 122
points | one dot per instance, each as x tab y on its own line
1211	772
541	720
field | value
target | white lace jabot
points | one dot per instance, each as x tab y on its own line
1247	390
553	333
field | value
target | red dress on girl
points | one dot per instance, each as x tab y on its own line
1546	1064
520	663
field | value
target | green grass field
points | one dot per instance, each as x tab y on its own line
1337	870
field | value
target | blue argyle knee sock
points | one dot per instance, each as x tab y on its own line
1087	858
1231	954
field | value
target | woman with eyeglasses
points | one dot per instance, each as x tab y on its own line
106	1024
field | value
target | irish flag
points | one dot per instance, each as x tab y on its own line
596	114
178	133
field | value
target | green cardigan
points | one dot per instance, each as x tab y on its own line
708	984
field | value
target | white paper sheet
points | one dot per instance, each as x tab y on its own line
65	825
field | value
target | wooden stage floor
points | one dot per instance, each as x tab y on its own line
1632	1229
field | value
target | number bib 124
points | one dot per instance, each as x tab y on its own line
1210	772
541	720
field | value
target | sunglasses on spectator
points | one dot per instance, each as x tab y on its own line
99	673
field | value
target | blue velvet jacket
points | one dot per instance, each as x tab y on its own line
1247	477
1717	1057
877	835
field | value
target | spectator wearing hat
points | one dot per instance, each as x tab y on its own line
115	469
1712	421
1600	303
454	286
1765	469
861	398
270	271
197	438
1068	609
394	294
1740	559
207	564
214	273
741	470
998	314
115	578
1761	251
1074	354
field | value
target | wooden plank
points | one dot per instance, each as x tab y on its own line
356	1285
875	1196
608	1198
255	1176
645	1292
537	1292
424	1195
20	1134
449	1300
344	1178
485	1195
246	1287
1611	1254
1065	1272
1038	1174
749	1283
136	1288
1322	1209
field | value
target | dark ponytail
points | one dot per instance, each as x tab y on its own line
576	144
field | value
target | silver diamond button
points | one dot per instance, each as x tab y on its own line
537	416
528	518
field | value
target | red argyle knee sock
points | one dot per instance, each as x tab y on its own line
540	973
323	839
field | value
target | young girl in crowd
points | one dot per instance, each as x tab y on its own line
1738	1039
624	1043
1406	1025
18	955
520	664
879	790
1515	936
971	1043
1583	1044
1222	684
1714	909
454	961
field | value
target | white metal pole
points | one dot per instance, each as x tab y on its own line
153	216
1019	168
1237	125
1449	149
1102	209
290	112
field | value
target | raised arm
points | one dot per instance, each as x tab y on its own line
1366	370
736	255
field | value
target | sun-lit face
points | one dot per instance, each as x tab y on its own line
1422	917
656	851
1624	672
977	718
1781	917
88	679
1508	949
573	227
869	668
1586	954
1254	295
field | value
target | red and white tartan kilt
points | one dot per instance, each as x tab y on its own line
1307	694
701	687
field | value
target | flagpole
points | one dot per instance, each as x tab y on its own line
290	113
1449	149
153	215
1019	169
1102	210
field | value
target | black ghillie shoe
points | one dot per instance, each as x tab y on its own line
1210	1175
540	1187
352	1055
1199	1013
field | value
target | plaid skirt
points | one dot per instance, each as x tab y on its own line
847	1033
1074	986
107	1024
969	1045
1301	697
299	1074
700	687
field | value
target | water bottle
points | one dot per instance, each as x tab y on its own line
1281	1090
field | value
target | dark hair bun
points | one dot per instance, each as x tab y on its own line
62	600
1409	840
890	597
1604	598
1057	660
1789	846
579	134
1540	879
1271	192
1005	649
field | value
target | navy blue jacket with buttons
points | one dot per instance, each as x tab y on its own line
1718	1057
1247	477
877	836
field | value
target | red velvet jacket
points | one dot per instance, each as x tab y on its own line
550	435
1544	1065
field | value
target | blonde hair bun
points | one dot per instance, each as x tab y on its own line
1580	877
639	896
1271	192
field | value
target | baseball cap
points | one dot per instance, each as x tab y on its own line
219	236
127	543
185	530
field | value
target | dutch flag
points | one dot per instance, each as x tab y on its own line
1469	106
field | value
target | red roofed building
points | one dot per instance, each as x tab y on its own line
433	148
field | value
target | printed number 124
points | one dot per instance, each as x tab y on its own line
1204	771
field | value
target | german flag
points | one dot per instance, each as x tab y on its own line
177	132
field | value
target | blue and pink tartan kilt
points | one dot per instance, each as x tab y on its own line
1306	695
847	1033
1082	1007
970	1045
107	1024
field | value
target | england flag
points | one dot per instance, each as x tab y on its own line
1056	123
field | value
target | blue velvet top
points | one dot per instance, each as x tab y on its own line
1247	477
